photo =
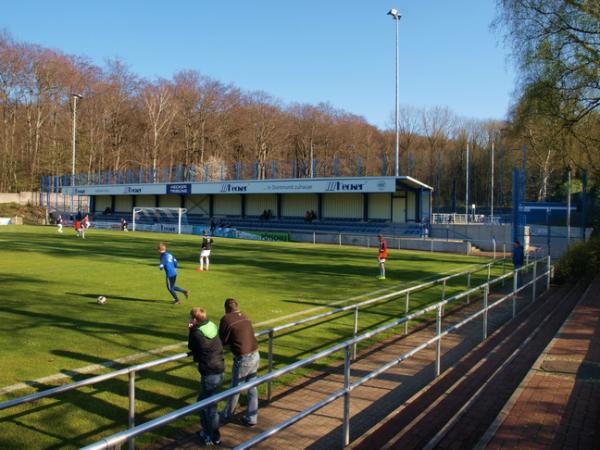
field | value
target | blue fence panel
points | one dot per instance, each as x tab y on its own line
359	167
273	169
336	167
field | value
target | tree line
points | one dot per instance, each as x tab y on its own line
127	122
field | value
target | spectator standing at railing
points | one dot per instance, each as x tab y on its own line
236	330
207	349
382	256
518	255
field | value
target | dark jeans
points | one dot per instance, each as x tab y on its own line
172	288
209	416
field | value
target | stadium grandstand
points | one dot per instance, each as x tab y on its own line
357	204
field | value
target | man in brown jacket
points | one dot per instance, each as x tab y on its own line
236	331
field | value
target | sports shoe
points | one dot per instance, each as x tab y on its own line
381	277
246	422
204	440
198	269
187	294
176	302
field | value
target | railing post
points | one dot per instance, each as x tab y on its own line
486	291
340	239
270	369
444	290
503	265
314	237
346	433
489	272
548	267
355	332
514	297
438	344
131	410
534	280
406	309
468	287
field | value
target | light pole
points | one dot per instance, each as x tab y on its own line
396	16
467	185
492	187
75	98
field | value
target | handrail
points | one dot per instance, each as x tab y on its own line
269	331
132	370
376	299
122	437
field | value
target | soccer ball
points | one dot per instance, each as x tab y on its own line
101	300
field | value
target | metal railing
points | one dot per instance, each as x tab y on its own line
347	346
271	334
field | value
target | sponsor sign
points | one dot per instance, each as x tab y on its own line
235	188
270	235
180	188
340	186
308	185
117	189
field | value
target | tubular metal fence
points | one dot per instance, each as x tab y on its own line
349	346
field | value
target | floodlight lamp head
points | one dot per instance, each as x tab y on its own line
394	13
79	96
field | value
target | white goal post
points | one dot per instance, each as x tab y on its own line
152	217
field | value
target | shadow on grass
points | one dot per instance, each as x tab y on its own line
110	296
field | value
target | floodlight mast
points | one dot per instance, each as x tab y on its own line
75	98
396	16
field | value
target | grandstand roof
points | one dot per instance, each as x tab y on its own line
270	186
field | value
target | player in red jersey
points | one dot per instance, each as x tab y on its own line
382	256
79	230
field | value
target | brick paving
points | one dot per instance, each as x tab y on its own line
457	409
558	405
370	403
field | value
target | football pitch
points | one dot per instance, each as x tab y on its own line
50	322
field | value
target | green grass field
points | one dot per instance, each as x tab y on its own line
50	322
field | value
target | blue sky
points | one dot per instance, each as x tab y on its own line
311	51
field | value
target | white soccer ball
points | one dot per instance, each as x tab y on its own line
101	300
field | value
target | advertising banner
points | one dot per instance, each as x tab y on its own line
304	185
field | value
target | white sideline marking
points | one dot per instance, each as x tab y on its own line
158	351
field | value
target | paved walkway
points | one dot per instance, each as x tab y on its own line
558	404
370	403
533	384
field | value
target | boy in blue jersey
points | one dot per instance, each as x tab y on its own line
168	263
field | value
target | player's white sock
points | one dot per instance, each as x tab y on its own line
201	264
207	263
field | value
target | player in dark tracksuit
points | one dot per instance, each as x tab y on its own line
168	263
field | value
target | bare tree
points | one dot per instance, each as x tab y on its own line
159	109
